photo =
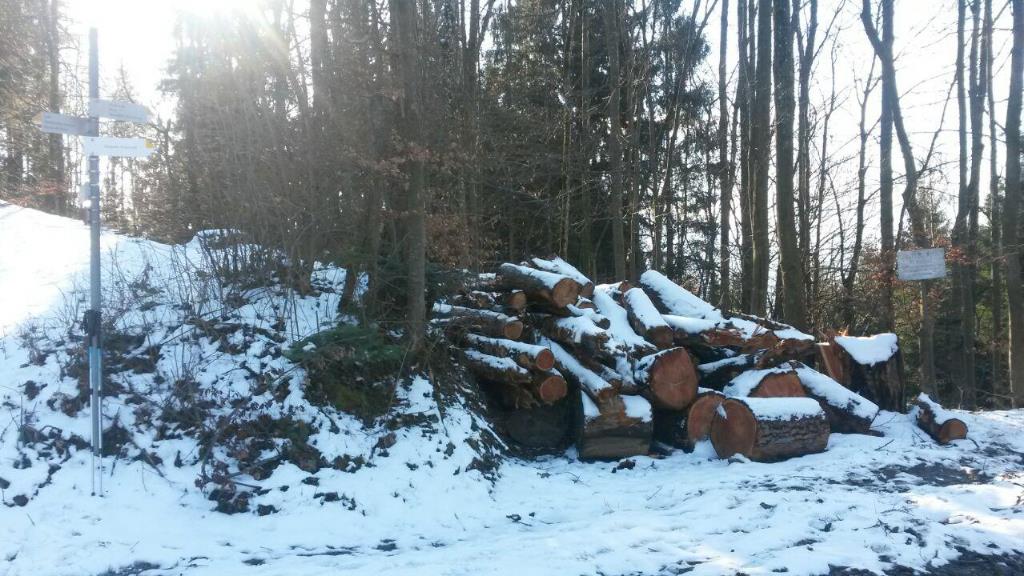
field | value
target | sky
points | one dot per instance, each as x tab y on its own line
138	35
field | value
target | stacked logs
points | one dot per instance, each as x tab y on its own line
622	369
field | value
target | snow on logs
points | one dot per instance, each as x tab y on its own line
610	367
558	266
931	417
645	318
769	429
547	386
768	383
488	322
557	289
848	413
529	356
667	378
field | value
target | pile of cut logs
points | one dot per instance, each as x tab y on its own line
622	369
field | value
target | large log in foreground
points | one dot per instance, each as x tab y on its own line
557	289
942	426
769	429
667	378
848	413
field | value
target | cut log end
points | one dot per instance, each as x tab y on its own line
779	385
952	429
512	330
551	388
700	416
673	380
565	292
545	360
734	429
661	336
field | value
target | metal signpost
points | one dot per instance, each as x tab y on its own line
95	146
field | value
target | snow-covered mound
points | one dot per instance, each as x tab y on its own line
424	489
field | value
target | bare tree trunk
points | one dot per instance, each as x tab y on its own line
996	269
613	21
1012	251
725	170
744	95
960	226
404	24
761	143
806	50
51	9
862	169
791	266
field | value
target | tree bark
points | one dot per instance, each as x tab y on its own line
612	22
724	167
793	288
1012	251
755	428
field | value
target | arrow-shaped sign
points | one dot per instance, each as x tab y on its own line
109	146
55	123
119	110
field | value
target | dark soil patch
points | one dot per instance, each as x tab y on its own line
970	563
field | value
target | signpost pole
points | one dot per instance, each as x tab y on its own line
93	320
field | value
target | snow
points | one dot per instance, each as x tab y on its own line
783	408
496	362
424	505
687	312
643	308
559	266
709	367
677	299
940	414
744	384
520	347
567	363
835	394
689	325
548	279
868	350
618	320
637	407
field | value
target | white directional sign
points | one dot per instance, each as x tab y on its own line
921	264
119	110
109	146
62	124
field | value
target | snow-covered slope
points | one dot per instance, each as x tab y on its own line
417	492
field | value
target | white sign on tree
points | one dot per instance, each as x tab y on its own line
110	146
927	264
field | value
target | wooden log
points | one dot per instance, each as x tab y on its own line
769	429
580	333
558	266
556	289
848	413
670	298
596	388
570	311
487	322
619	325
614	433
768	383
875	366
667	378
832	362
718	374
942	426
495	368
645	318
786	350
512	302
529	356
586	303
700	414
548	386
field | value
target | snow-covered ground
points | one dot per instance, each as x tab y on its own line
425	500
